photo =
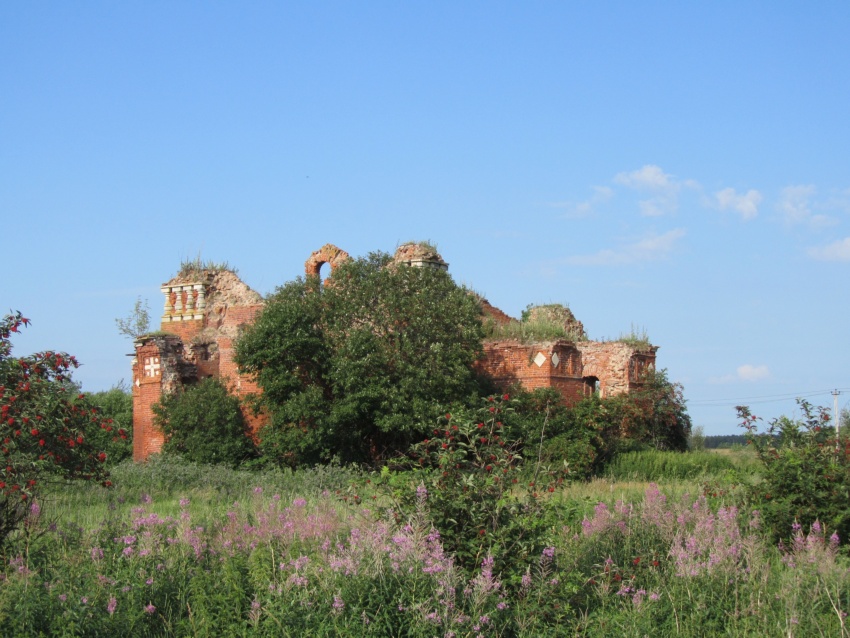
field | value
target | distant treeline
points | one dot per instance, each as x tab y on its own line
724	440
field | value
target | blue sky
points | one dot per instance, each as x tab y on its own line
683	168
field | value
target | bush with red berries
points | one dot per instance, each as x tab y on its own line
46	430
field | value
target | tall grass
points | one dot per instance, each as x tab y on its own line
656	465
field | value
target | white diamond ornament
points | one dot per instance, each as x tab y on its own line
555	359
539	359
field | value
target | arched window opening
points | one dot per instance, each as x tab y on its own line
591	386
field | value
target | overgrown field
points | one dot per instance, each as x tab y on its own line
663	545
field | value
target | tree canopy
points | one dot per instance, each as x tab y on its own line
360	368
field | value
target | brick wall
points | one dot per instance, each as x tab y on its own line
147	390
206	310
573	368
192	348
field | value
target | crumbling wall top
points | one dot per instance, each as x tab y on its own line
557	314
419	254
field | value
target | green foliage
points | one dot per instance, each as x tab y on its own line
696	441
46	433
551	322
581	439
280	564
727	441
471	470
359	368
116	408
657	465
637	338
138	322
204	424
568	439
806	472
653	414
190	267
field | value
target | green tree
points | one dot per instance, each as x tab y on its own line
204	424
359	368
138	322
696	441
46	432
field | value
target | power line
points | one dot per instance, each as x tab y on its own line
767	398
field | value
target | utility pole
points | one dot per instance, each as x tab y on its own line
835	418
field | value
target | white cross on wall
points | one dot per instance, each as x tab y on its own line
151	366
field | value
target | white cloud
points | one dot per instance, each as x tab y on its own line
795	204
651	248
663	187
745	204
650	177
749	372
746	372
836	251
601	194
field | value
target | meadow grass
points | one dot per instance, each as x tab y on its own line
657	465
181	550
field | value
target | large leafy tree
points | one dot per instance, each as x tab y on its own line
359	368
48	431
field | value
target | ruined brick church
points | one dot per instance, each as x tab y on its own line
206	308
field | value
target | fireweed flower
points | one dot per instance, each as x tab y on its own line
111	605
149	608
96	553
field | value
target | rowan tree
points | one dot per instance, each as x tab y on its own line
45	429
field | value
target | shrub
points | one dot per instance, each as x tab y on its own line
806	472
555	435
471	478
204	424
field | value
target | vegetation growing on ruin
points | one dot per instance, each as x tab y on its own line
637	338
539	323
197	265
426	244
